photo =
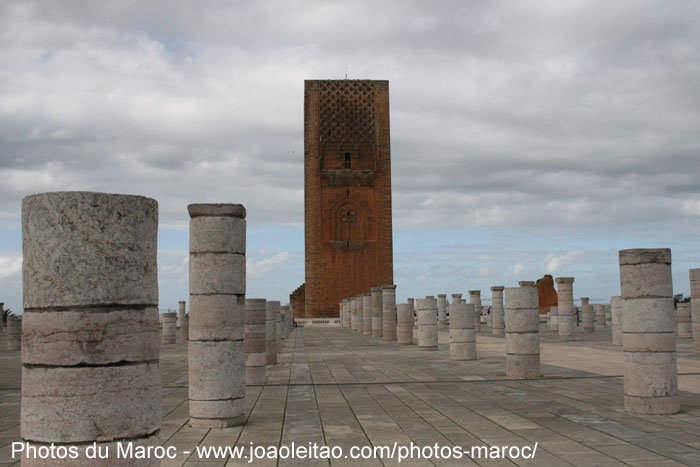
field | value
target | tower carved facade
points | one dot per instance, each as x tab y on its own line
347	191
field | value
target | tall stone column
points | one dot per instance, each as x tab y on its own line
389	312
616	312
184	321
404	324
497	310
695	306
565	308
427	324
649	332
348	314
169	331
553	318
367	314
599	311
255	340
14	332
522	332
377	313
91	337
462	335
683	323
284	310
272	314
217	312
360	314
587	317
475	299
442	312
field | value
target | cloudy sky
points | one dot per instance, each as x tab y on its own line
528	138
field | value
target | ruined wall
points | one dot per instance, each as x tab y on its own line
546	293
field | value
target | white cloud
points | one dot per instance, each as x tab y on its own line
261	268
554	263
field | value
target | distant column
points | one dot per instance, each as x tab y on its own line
255	340
683	323
522	332
553	318
217	312
360	315
14	332
367	314
616	312
608	315
184	333
169	331
284	310
462	335
272	313
475	299
649	334
389	312
353	313
599	311
565	308
497	310
442	312
695	306
91	334
404	324
427	324
587	315
377	313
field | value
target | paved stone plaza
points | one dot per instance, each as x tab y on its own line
336	387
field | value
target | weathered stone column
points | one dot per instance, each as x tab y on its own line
377	314
389	312
695	307
217	311
255	340
616	312
272	314
284	310
565	308
587	318
348	314
184	332
404	324
522	332
683	324
360	314
599	311
367	314
462	335
649	332
608	315
14	332
90	344
427	324
442	312
353	313
475	299
169	331
553	318
497	310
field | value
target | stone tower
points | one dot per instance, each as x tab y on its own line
347	191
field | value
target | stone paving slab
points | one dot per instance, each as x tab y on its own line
338	388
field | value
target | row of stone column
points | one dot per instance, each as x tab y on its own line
265	333
371	313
